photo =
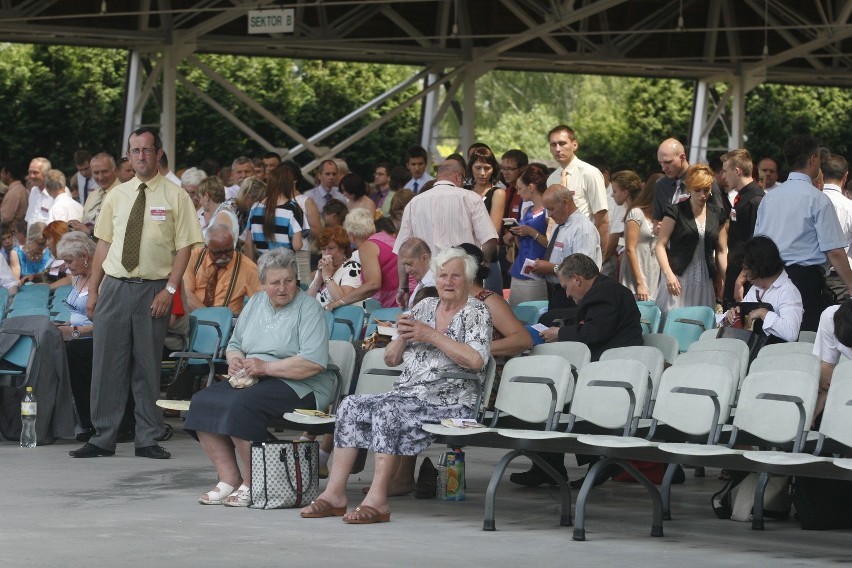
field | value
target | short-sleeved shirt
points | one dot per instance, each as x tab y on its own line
577	235
801	220
245	282
169	225
424	362
587	183
349	274
528	247
286	226
297	329
826	345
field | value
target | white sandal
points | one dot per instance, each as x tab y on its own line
239	498
218	495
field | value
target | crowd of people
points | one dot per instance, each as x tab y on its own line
142	247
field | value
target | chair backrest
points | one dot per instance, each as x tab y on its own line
29	301
665	343
708	334
574	352
4	298
60	293
775	421
722	358
837	415
348	323
649	318
526	314
342	354
804	362
376	377
781	348
221	316
686	324
650	356
692	412
371	305
205	340
540	305
534	402
29	311
602	397
381	314
20	352
735	347
42	290
807	336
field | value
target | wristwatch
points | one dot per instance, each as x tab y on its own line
556	269
171	289
75	332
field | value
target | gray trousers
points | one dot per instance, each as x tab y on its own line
128	350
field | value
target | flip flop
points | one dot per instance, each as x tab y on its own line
321	509
216	496
366	515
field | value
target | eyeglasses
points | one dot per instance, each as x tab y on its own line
137	151
223	252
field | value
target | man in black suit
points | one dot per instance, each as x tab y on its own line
606	317
737	168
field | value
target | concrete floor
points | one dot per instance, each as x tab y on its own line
128	511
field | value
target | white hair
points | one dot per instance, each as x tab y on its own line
451	253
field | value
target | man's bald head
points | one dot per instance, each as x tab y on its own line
672	158
451	170
415	247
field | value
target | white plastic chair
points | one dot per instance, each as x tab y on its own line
807	336
651	357
735	347
781	348
574	352
714	358
665	343
804	362
708	334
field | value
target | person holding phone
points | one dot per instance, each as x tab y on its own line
530	234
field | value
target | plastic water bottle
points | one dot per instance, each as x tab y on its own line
28	420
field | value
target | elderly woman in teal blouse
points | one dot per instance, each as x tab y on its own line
281	339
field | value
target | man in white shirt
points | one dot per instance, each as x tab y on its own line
574	233
35	181
835	171
447	215
416	160
83	180
584	180
415	256
242	168
163	167
64	207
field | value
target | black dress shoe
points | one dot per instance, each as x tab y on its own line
535	476
90	451
153	452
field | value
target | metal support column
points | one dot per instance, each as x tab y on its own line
698	137
467	130
132	117
167	114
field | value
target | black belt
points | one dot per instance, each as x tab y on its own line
138	280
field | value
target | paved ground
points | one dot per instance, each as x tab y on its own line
128	511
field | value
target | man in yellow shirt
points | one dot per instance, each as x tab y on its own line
146	230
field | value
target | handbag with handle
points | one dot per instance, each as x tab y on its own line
284	474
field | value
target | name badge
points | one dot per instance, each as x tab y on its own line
733	214
45	210
158	213
558	245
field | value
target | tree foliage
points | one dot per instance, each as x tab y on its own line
55	99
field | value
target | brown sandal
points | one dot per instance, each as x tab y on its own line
321	509
366	515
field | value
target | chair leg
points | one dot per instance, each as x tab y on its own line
653	492
666	491
491	493
580	512
757	508
564	490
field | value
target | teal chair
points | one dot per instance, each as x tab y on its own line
60	294
526	314
220	319
687	324
381	314
371	305
348	323
15	363
540	305
29	311
649	317
29	301
4	299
